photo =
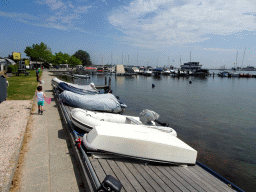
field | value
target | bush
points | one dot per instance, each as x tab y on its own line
12	68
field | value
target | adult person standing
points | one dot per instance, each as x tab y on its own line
37	74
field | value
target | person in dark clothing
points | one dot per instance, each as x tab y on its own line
37	75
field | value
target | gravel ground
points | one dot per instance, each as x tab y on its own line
14	115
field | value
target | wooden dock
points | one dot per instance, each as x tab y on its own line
138	175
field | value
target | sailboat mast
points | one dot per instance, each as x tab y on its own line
111	57
137	59
190	56
243	57
236	58
157	60
122	57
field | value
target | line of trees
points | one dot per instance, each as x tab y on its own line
42	53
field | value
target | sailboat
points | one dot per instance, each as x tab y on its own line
157	71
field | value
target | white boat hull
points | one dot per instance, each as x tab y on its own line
87	120
82	76
139	142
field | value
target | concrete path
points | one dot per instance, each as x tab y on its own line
49	163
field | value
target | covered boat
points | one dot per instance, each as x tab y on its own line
87	120
100	102
67	87
139	142
91	87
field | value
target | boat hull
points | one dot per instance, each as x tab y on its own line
87	120
139	142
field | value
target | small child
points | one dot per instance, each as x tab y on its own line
40	99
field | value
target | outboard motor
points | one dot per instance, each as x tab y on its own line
147	116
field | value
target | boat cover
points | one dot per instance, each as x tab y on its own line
67	87
139	142
90	87
101	102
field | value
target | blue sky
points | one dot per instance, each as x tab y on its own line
150	30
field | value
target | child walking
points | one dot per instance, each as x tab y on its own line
40	99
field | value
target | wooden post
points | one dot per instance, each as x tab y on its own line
109	82
105	80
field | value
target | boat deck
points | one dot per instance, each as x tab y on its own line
137	175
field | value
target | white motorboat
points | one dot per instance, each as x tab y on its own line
82	76
148	72
87	120
139	142
166	72
100	102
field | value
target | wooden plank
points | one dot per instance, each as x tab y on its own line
97	169
196	179
149	179
172	178
138	176
180	179
212	179
208	183
157	179
164	178
107	169
121	177
129	176
189	180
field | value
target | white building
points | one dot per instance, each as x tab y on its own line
5	62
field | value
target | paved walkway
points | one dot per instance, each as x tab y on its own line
49	163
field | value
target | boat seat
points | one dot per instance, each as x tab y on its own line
130	120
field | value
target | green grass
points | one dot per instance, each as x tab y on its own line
22	87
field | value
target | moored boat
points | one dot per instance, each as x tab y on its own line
90	87
66	87
99	102
82	76
87	120
139	142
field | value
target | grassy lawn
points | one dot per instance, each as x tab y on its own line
22	87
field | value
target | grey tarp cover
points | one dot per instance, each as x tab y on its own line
100	102
146	116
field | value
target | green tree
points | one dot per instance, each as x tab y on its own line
74	61
39	52
84	57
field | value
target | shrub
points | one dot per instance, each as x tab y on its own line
12	68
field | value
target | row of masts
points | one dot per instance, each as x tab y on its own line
235	64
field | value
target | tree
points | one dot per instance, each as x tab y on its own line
39	52
84	57
74	61
59	58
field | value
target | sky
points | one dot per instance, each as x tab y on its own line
216	33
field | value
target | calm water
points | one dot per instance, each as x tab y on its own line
216	116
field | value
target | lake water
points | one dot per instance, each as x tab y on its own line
215	116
